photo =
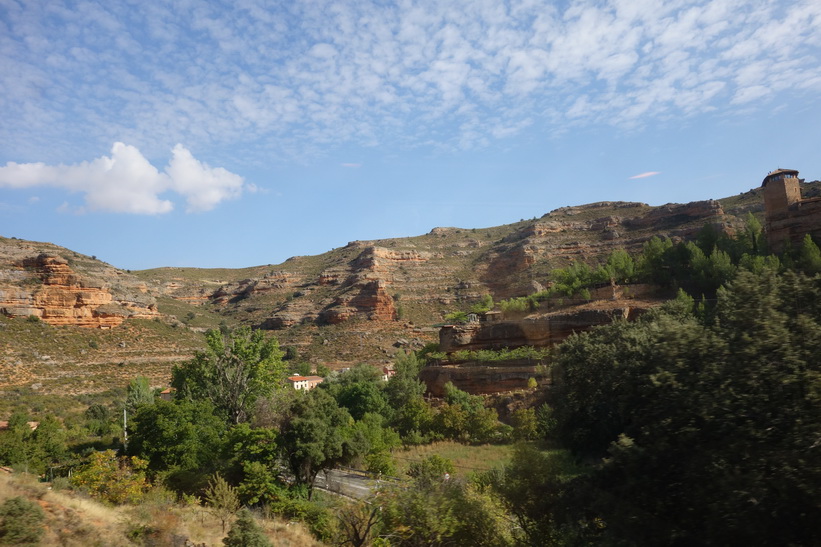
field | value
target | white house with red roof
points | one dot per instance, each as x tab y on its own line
305	382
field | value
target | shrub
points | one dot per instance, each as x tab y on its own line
112	479
21	522
457	317
246	533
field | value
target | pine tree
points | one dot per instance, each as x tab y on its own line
246	533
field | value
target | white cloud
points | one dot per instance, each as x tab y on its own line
645	175
203	186
294	77
126	182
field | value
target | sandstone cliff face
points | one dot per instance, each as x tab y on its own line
44	285
483	379
541	329
538	330
589	232
422	278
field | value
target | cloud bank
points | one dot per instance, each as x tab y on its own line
126	182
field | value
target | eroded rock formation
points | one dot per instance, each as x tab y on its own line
45	286
493	333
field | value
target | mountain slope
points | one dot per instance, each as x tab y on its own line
359	303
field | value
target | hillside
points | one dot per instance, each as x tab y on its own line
359	303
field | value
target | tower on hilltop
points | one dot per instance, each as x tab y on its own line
789	216
781	190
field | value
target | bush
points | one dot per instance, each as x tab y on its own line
21	522
246	533
457	317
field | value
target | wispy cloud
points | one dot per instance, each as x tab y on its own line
351	165
645	175
126	182
294	78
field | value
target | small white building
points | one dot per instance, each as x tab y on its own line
305	382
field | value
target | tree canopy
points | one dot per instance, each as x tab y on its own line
709	427
233	372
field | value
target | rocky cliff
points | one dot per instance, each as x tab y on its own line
38	280
359	303
406	284
544	328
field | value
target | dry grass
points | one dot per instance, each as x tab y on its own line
466	459
73	520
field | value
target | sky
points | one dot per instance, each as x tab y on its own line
234	134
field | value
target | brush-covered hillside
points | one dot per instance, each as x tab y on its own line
68	319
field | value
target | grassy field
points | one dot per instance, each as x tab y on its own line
466	459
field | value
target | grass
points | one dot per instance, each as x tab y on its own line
74	520
466	459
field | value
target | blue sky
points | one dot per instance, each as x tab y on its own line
231	134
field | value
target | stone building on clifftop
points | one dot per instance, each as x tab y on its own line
788	217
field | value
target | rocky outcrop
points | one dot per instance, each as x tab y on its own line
483	379
537	330
369	300
45	286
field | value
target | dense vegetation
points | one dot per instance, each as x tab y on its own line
697	424
704	430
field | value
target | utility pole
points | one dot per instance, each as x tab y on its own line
125	429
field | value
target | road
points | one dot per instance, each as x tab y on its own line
348	483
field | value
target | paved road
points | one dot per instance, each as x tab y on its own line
354	485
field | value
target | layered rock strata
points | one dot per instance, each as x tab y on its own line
46	287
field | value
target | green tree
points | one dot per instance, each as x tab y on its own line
432	470
21	522
572	280
405	393
99	420
139	393
464	417
362	398
485	304
16	443
653	264
440	513
525	425
233	372
50	439
744	389
180	440
260	485
246	533
457	317
619	267
809	256
222	498
317	437
534	487
752	237
380	440
245	444
404	386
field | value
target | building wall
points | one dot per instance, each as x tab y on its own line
788	217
